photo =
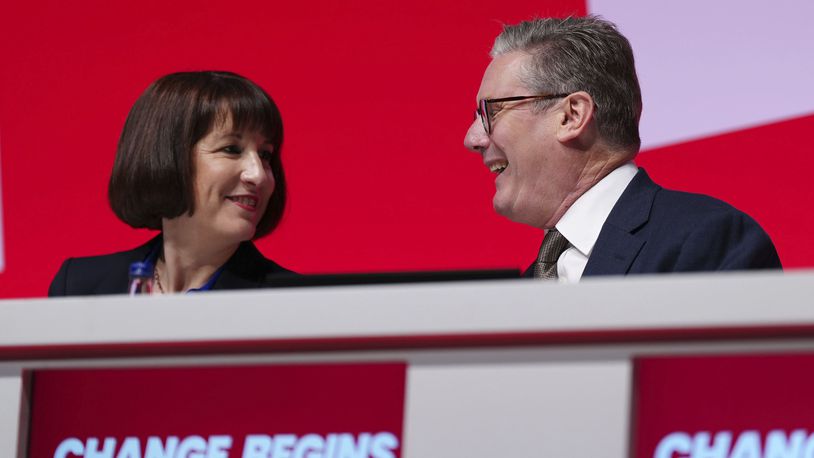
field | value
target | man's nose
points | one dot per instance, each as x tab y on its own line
476	138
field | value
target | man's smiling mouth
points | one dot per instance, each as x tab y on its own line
498	167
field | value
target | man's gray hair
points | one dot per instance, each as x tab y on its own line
582	54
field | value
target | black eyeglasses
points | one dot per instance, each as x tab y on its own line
487	113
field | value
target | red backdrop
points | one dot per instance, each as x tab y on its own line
376	97
231	401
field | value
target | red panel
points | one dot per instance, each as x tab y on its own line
226	401
376	98
736	405
764	171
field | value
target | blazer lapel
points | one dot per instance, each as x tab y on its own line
618	244
232	280
243	270
117	280
614	252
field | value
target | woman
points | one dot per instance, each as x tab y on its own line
199	160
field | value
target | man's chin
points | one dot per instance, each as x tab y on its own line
505	210
500	207
515	214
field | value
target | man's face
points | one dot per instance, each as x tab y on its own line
539	172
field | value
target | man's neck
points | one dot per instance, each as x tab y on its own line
597	166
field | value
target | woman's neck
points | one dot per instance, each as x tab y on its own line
188	261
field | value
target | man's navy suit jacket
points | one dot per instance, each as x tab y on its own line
653	230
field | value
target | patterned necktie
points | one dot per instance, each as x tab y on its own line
553	245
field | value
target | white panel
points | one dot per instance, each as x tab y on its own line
527	400
565	409
10	392
708	67
666	301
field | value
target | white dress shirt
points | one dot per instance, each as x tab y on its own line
582	222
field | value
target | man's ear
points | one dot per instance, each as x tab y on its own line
575	117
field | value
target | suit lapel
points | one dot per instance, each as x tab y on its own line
117	280
619	243
232	280
614	252
243	270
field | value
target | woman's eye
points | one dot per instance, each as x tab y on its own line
266	156
233	149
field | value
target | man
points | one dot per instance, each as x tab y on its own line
558	122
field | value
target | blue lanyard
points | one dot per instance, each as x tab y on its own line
152	257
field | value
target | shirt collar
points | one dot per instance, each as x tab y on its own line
582	222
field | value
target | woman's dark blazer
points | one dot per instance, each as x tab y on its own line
108	274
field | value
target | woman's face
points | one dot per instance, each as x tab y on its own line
233	183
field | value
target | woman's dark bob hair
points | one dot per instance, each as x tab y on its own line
153	175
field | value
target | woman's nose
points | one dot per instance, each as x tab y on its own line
255	170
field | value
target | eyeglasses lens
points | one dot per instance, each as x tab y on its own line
485	116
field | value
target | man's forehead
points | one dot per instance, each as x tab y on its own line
502	77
